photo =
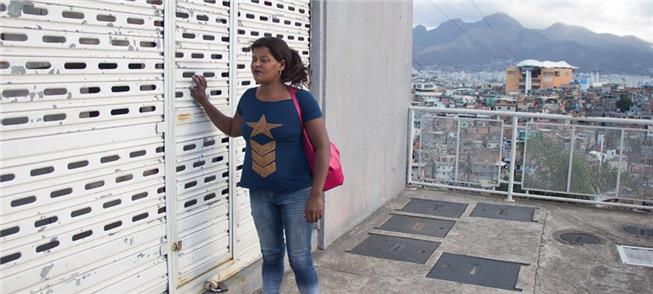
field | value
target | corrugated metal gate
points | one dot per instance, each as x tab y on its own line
283	19
85	146
202	167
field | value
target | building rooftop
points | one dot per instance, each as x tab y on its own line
545	264
546	63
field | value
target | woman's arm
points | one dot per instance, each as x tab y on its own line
317	132
228	125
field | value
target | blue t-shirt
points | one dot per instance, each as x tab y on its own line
274	153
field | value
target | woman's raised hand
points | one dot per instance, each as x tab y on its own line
199	90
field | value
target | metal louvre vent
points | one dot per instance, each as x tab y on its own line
641	256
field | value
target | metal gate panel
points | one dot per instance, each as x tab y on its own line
281	19
202	174
137	18
214	159
100	42
547	151
78	212
479	154
75	90
290	21
137	246
82	167
153	271
596	161
99	200
59	119
16	199
112	155
593	170
207	233
82	173
42	147
635	181
449	150
438	148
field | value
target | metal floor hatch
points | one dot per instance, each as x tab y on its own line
478	271
437	208
396	248
418	225
504	212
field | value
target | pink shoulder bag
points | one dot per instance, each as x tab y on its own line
334	175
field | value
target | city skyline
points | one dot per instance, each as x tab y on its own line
621	18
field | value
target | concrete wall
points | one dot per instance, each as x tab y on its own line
364	74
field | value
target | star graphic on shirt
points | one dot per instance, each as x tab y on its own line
262	127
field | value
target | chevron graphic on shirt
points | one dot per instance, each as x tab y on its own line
264	171
264	148
263	158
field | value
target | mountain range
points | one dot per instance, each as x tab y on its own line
499	41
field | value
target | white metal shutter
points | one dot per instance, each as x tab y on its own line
288	20
82	165
202	198
82	198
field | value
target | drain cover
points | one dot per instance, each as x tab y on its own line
475	270
577	238
434	207
639	231
418	225
396	248
505	212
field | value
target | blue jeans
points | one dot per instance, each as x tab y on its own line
273	214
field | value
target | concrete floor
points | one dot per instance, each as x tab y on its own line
551	266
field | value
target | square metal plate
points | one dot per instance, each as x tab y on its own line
505	212
434	207
633	255
418	225
475	270
396	248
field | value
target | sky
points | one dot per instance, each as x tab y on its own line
615	17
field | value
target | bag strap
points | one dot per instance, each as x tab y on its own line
293	94
307	140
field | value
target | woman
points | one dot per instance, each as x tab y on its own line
285	195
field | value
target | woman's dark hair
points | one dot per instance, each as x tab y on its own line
294	72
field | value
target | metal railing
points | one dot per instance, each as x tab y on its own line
596	160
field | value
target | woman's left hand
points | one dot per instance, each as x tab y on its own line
314	207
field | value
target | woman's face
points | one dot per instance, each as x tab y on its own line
265	68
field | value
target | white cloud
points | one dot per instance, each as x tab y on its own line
616	17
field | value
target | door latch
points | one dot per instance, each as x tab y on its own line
176	246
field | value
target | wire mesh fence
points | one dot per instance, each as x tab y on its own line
591	159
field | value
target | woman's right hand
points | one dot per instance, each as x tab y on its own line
199	90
